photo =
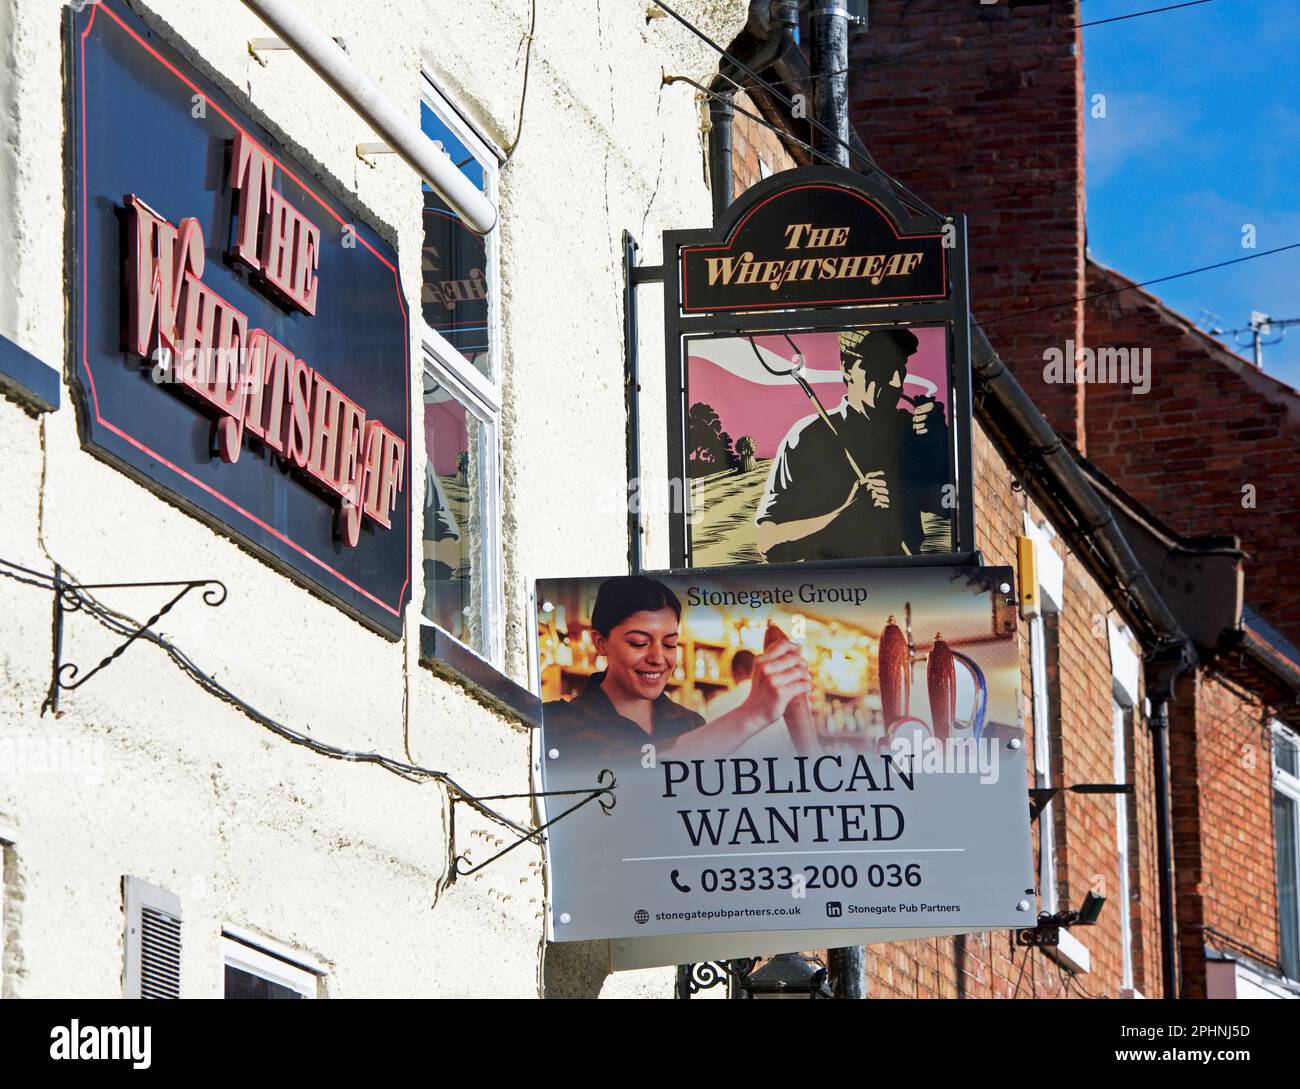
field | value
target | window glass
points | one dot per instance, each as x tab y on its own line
242	984
255	973
454	440
1286	753
462	401
454	298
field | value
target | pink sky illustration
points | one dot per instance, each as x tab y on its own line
751	402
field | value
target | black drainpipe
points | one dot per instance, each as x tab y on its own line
780	35
1161	672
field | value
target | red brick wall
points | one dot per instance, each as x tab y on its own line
1026	250
990	965
1086	834
1210	425
978	111
978	108
750	143
1221	757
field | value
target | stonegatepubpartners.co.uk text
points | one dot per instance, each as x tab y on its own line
724	913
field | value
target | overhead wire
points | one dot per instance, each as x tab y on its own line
527	41
780	132
870	165
760	82
1144	283
979	46
770	88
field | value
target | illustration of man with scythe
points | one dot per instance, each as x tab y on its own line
854	480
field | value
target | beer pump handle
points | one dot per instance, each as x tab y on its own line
798	713
894	667
941	679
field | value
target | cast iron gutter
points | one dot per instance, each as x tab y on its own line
783	17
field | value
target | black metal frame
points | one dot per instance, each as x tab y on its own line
953	312
632	393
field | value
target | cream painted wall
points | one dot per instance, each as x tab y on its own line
339	860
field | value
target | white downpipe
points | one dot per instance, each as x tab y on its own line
364	95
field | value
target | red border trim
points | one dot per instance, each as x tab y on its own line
731	241
329	210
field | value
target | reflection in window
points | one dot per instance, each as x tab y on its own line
453	541
1286	831
454	297
462	399
242	984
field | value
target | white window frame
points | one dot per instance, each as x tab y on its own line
479	394
1125	897
1051	590
1284	782
270	966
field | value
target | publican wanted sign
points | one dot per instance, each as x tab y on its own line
241	338
769	751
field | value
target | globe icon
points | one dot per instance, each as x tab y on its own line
641	916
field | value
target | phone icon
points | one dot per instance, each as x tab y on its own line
673	877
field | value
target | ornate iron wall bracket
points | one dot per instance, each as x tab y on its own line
693	978
71	597
606	782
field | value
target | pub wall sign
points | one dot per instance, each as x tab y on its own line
240	336
818	377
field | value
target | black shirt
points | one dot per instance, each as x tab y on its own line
589	727
811	477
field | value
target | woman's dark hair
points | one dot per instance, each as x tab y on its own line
618	598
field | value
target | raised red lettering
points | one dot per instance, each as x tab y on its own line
251	171
300	413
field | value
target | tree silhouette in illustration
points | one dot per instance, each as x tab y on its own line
708	446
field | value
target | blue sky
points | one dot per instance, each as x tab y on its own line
1201	136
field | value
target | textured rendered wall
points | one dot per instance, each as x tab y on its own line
339	860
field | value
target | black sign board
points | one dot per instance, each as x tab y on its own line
813	243
818	378
240	335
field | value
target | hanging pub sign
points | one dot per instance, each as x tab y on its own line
240	334
818	377
791	750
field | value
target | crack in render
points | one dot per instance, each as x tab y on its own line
663	139
609	219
